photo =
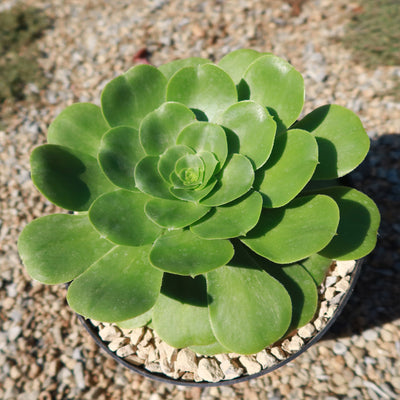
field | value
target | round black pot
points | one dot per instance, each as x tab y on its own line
93	331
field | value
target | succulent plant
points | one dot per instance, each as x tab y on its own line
201	205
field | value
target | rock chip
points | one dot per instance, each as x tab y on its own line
209	370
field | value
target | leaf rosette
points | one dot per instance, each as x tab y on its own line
202	204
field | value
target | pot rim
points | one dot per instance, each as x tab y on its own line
93	331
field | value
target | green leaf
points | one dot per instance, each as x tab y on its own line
342	140
236	62
230	220
301	288
180	315
127	99
317	266
235	180
148	179
160	128
119	216
210	165
80	126
190	170
170	68
206	88
291	165
204	136
68	178
174	214
182	252
119	286
193	195
59	247
288	234
136	322
358	226
251	131
248	308
274	83
209	349
119	152
167	161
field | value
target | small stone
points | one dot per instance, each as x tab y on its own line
79	377
136	335
115	344
292	345
342	285
186	361
343	268
14	332
278	353
153	367
370	335
339	349
109	333
306	331
133	358
265	359
125	351
319	324
251	366
167	351
330	293
231	369
330	280
209	370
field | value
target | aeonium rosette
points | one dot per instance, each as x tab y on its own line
201	205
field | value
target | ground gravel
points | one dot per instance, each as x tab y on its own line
44	352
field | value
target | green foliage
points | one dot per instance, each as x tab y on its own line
374	33
19	28
199	211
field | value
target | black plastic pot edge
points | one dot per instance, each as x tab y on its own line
92	330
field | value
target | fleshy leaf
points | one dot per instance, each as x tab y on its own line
167	161
160	128
317	266
68	178
174	213
274	83
128	98
289	168
119	152
119	216
358	226
210	165
249	309
301	288
230	220
80	126
204	136
251	131
288	234
44	239
148	179
119	286
342	140
235	180
190	169
193	195
182	252
206	88
209	349
180	315
170	68
236	62
136	322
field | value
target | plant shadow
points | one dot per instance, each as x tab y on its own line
375	300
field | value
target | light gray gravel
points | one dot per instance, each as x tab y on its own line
94	40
